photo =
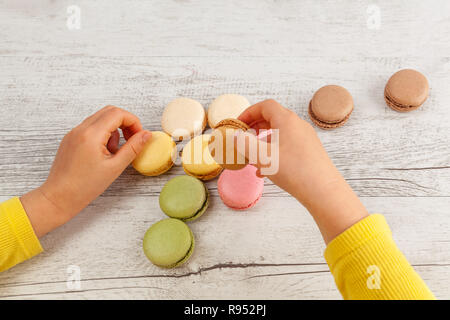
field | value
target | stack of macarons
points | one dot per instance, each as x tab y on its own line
331	105
170	242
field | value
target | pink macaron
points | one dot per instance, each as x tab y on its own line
240	189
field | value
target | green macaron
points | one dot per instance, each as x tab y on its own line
184	197
168	243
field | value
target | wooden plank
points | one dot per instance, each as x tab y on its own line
380	152
227	28
261	253
141	54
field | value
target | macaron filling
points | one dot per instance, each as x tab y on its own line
188	254
208	176
327	123
397	105
249	205
161	170
200	211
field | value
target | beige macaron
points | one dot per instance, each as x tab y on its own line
183	118
222	144
226	106
197	160
406	90
330	107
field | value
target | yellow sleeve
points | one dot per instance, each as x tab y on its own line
18	241
366	264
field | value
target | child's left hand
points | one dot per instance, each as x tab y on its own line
87	162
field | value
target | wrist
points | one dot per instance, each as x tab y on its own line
335	207
44	215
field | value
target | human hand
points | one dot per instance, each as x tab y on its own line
87	162
304	168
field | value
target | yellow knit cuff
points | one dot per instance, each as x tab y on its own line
21	227
354	237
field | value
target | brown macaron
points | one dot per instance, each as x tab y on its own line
406	90
330	107
222	143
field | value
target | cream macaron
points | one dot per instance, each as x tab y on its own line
157	156
226	106
197	160
183	118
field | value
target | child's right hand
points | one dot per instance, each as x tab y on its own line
87	162
305	170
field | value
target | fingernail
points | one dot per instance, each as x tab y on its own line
146	136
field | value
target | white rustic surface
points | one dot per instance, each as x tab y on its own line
141	54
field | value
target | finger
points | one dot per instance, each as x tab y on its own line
260	126
129	131
264	111
115	118
92	118
113	142
131	149
248	145
265	134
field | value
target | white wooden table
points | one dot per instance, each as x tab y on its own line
141	54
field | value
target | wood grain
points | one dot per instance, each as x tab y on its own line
226	28
141	54
261	253
380	152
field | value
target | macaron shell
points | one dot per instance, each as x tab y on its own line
226	106
197	160
183	197
406	90
331	104
240	189
157	155
168	243
183	117
325	125
189	253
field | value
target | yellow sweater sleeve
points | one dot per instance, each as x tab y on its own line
366	264
18	242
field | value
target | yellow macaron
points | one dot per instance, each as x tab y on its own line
197	160
157	156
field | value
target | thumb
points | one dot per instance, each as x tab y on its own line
132	148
